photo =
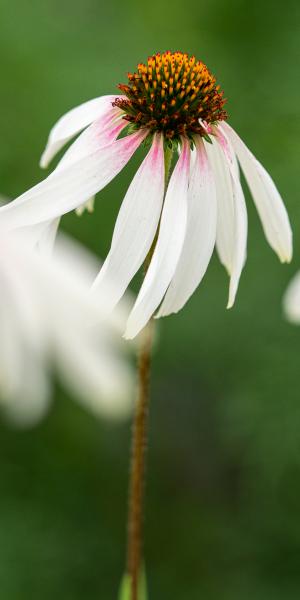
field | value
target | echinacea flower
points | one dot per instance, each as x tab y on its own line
291	300
48	320
171	103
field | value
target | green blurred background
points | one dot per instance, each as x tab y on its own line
223	493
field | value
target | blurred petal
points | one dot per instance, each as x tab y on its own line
136	224
24	389
200	235
93	369
72	123
66	189
47	238
46	320
266	197
97	377
291	300
41	235
168	247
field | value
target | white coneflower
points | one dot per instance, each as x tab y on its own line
174	104
47	320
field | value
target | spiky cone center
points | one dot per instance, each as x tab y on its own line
174	94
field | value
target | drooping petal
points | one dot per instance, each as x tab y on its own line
232	214
94	368
72	123
22	375
168	248
269	204
240	240
291	300
136	224
66	189
103	386
225	212
200	235
48	319
23	383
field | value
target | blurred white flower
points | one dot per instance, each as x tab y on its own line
291	300
173	100
49	321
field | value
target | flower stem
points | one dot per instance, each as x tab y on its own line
139	440
137	470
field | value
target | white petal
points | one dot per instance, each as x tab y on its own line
47	238
240	220
72	123
200	235
291	300
66	189
168	248
22	375
31	236
94	369
98	377
24	385
136	224
42	235
102	132
225	217
11	346
266	197
46	316
240	240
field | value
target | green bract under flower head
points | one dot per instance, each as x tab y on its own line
174	94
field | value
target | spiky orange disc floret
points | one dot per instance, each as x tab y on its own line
170	94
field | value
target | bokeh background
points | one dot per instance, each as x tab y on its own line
223	493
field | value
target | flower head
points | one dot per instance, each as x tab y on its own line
174	104
172	94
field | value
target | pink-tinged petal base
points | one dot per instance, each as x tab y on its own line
72	123
168	247
200	234
101	133
66	189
